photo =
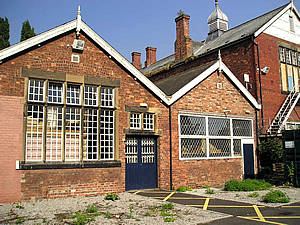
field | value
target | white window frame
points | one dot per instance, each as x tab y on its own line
136	121
62	92
44	90
80	94
97	96
207	137
113	99
148	119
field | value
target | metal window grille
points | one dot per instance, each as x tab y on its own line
148	121
36	90
131	150
55	92
107	97
218	127
147	150
193	148
219	147
237	147
288	56
242	128
192	125
73	94
90	134
54	134
90	96
294	58
72	134
282	54
107	134
135	121
34	133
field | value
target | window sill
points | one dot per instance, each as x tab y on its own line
68	165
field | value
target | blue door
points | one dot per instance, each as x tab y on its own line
141	163
248	160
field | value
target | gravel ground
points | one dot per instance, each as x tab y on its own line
293	193
129	209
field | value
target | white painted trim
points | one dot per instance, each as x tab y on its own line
271	21
14	49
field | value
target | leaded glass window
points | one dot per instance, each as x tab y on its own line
242	128
218	127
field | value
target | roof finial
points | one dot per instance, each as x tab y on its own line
78	24
217	3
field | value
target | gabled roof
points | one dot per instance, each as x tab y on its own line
180	84
250	28
80	26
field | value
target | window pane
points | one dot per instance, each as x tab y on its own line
107	97
73	94
135	121
148	121
55	92
34	133
36	90
107	134
242	128
131	150
294	58
90	96
219	127
219	148
237	147
90	134
288	56
282	54
72	138
54	134
192	125
193	148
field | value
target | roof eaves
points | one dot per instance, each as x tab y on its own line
19	47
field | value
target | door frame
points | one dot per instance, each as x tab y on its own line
248	141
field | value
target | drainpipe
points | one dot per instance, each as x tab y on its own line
170	130
260	89
257	140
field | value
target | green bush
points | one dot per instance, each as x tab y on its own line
276	197
246	185
183	189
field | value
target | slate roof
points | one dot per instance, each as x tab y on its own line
237	33
174	83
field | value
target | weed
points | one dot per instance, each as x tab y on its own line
169	219
18	205
112	197
167	206
107	215
153	208
253	195
137	219
276	197
183	189
20	220
137	203
147	214
237	195
130	211
209	191
81	218
246	185
44	220
91	209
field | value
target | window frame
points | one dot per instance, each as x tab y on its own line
208	137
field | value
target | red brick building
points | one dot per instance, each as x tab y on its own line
77	119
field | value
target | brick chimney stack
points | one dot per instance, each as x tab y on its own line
136	60
183	43
150	56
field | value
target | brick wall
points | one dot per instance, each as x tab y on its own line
206	98
55	56
11	126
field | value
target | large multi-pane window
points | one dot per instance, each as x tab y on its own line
61	127
290	69
212	137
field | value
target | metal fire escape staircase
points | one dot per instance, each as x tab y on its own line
284	112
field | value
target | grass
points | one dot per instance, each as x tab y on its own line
167	216
112	197
246	185
20	220
253	195
276	196
183	189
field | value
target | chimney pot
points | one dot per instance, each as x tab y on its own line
136	60
150	56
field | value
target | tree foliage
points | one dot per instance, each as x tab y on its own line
4	33
271	151
27	31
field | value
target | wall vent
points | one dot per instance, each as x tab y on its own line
75	59
78	44
219	85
